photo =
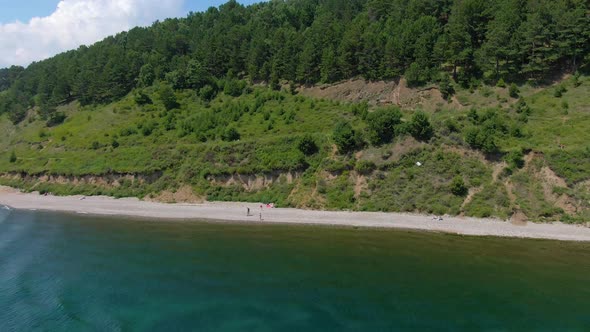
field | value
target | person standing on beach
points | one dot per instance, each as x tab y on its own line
261	216
247	212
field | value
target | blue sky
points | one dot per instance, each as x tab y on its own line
33	30
199	6
24	10
11	10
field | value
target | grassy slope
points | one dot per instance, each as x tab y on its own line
190	152
71	149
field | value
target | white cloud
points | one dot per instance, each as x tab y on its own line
75	23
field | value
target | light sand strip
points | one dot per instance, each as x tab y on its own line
237	212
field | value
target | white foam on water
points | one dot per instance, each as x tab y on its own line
4	213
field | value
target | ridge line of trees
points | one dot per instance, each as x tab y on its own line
312	41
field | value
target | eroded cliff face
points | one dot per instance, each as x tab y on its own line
533	193
113	180
382	93
156	184
252	182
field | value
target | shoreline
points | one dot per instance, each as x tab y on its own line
235	212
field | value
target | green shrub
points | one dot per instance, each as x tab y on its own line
488	127
576	79
501	83
141	98
445	87
473	116
550	211
340	194
516	131
321	186
17	114
207	93
147	129
452	125
307	145
12	158
231	134
458	187
482	212
292	88
565	105
420	127
361	110
522	107
382	123
515	159
471	137
234	87
336	166
365	167
486	91
128	131
513	91
559	91
168	97
55	119
345	137
488	143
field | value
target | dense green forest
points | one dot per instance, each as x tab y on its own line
311	41
468	107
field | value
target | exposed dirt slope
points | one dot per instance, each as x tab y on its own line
381	93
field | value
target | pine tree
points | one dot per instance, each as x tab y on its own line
146	76
328	67
537	46
308	63
167	97
498	50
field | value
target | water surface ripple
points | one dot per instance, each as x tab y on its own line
79	273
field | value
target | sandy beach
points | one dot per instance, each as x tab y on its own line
236	212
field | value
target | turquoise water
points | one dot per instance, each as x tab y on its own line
74	273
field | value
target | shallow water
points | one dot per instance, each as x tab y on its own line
78	273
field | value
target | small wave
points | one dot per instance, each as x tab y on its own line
5	212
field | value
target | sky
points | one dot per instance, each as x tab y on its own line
34	30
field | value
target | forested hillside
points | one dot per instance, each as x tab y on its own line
311	41
462	107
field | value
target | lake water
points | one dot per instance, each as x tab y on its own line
75	273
